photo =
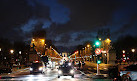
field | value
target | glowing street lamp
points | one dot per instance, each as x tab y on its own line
108	40
42	40
133	50
11	51
0	49
88	45
123	51
19	52
33	39
100	39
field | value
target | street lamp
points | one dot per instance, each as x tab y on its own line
108	40
133	50
123	51
19	52
88	45
33	39
100	39
12	57
1	55
42	40
11	51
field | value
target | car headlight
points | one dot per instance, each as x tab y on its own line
31	69
40	68
69	64
59	72
71	71
48	70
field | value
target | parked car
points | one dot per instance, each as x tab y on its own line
5	70
133	72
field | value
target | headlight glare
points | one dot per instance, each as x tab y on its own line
31	69
71	71
59	72
40	68
69	64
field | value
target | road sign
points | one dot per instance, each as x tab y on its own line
98	51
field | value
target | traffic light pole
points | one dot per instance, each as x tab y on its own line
98	72
98	52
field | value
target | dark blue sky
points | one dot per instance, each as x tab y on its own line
67	22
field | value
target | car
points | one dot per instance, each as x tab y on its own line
133	71
65	70
68	63
37	67
5	70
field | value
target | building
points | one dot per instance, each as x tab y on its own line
38	42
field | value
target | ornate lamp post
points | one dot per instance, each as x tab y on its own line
133	50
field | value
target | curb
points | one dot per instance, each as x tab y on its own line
8	76
92	75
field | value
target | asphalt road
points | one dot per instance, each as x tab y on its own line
24	75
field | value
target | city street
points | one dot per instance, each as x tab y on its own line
68	40
48	76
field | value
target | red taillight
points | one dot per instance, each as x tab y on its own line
36	61
124	60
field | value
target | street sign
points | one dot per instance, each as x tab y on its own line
97	51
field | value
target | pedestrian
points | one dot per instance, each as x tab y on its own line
73	62
79	64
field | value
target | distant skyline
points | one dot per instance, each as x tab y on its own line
67	22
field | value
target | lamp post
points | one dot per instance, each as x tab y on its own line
133	50
20	52
1	55
123	51
11	52
20	57
107	42
88	51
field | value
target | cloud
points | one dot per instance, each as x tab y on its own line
84	35
127	27
85	16
89	14
16	13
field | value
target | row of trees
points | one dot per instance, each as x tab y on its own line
20	51
126	43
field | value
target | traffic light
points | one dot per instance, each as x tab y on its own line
97	43
99	61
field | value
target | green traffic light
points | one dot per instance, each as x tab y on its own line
97	43
99	61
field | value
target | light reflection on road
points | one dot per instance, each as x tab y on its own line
51	75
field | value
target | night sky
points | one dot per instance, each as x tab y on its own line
67	22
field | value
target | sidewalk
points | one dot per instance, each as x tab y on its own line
91	67
90	74
14	70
